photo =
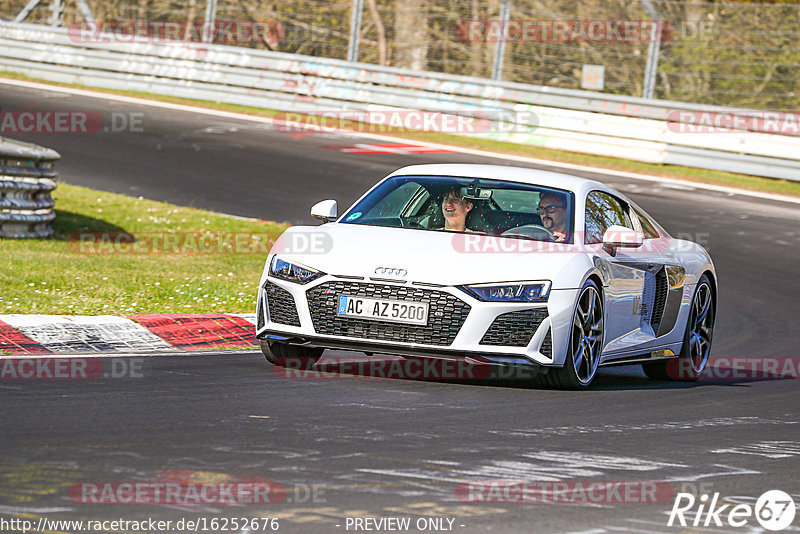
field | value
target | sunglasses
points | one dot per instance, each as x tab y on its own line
549	209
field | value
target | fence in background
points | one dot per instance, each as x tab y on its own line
742	54
577	121
26	180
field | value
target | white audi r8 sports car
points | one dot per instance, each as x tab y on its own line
491	264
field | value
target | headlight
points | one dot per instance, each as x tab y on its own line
292	272
516	292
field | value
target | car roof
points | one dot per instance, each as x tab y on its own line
505	172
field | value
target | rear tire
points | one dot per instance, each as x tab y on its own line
691	362
585	343
292	356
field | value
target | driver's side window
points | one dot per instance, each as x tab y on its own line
602	212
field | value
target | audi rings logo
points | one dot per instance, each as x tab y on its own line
390	271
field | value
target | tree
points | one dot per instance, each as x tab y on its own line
411	34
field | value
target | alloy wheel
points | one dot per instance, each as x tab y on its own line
587	335
702	327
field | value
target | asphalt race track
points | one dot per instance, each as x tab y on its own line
346	446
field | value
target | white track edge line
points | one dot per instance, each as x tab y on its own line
126	354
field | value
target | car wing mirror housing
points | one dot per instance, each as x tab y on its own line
621	237
326	210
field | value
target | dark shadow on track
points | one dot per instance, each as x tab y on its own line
452	372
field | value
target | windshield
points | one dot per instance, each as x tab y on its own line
458	204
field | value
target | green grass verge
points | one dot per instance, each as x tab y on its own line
59	276
741	181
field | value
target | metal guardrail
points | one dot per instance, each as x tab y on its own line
578	121
26	180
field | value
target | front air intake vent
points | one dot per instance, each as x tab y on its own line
260	321
282	308
514	329
547	346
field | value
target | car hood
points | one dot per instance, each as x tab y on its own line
442	258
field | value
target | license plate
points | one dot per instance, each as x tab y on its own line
396	311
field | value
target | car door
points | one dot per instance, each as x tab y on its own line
625	273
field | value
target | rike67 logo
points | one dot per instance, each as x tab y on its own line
773	510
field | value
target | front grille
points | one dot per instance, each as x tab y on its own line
446	313
514	329
282	308
660	299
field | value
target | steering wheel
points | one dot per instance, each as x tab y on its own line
533	231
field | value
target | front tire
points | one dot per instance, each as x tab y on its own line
292	356
690	364
585	342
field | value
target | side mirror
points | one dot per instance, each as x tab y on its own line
327	210
621	237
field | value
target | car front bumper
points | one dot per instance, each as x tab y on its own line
458	326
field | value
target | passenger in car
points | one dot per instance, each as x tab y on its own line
455	209
553	212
